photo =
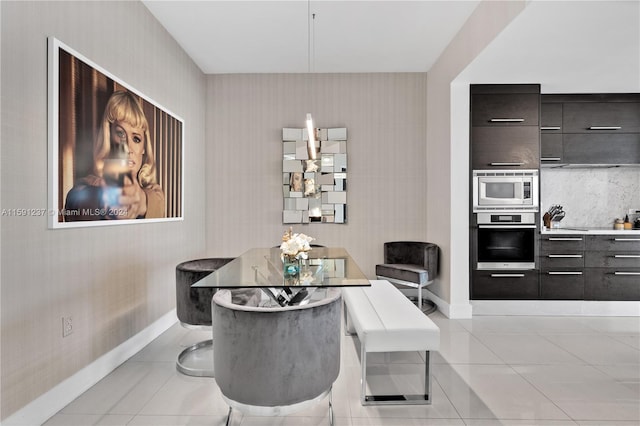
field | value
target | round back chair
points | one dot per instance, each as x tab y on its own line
193	307
276	360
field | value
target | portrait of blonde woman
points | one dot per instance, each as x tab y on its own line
123	183
115	155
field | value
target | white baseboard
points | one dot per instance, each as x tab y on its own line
46	405
457	311
556	308
530	307
452	311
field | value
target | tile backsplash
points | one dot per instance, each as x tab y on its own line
591	197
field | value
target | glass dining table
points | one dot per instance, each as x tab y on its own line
263	268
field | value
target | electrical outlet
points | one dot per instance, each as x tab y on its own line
67	326
634	211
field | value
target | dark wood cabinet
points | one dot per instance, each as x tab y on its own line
608	284
561	260
613	242
613	265
505	285
623	148
505	109
505	147
505	126
562	243
551	149
567	284
610	259
551	117
562	267
551	133
590	129
601	117
590	267
504	135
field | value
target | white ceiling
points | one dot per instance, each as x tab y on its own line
350	36
567	46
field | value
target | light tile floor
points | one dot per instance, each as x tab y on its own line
490	371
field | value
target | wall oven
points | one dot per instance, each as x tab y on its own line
506	241
513	190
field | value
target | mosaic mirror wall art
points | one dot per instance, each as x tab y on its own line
314	178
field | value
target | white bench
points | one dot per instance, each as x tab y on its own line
386	321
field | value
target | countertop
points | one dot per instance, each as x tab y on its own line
590	231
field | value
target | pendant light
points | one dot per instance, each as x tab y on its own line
311	133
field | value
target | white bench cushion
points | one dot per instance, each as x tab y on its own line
386	321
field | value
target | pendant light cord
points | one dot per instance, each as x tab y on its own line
311	38
313	42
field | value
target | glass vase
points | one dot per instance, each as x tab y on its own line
290	268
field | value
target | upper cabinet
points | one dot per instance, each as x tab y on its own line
505	109
590	129
505	120
601	117
550	133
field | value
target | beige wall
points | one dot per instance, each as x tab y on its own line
386	190
448	148
116	280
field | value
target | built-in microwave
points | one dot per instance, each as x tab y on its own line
507	190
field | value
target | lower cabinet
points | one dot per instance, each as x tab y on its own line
505	285
562	267
567	284
612	284
572	267
613	262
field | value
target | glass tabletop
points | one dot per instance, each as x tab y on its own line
263	267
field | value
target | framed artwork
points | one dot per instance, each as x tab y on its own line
115	156
314	178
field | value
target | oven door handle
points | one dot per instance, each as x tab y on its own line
508	226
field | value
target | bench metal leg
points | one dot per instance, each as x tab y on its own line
331	406
412	399
228	417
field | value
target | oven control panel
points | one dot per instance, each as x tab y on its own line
506	218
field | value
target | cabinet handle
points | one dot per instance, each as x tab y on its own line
507	275
626	273
506	164
550	158
564	239
627	256
605	127
626	239
565	255
507	120
550	128
565	272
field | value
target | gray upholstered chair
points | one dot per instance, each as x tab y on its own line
412	264
193	306
276	360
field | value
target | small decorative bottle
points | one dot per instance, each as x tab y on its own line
291	267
